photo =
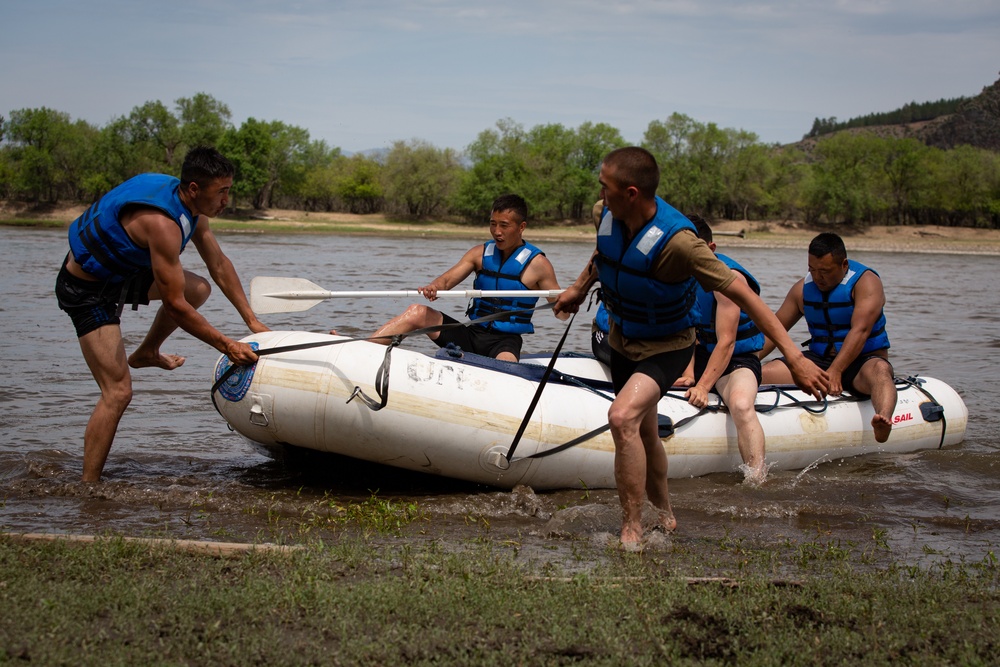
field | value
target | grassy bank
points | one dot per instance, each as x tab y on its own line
378	602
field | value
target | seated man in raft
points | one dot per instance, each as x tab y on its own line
505	263
842	301
725	359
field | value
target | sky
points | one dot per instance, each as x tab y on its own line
361	75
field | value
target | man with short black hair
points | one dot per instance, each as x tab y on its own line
842	302
126	248
648	258
505	263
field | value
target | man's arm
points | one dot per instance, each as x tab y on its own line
540	275
224	274
163	238
471	261
788	314
570	300
809	377
727	320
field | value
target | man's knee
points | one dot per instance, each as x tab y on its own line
421	315
876	372
118	396
197	290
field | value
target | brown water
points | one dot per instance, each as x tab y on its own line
177	470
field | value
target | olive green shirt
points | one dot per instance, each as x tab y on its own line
685	255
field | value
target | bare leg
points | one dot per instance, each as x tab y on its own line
415	317
656	471
875	379
196	292
104	352
776	372
739	391
634	474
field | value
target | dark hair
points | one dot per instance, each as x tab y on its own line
701	225
511	202
204	164
635	167
828	243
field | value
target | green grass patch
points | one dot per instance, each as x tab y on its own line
363	602
29	222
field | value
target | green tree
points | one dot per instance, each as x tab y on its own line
49	155
358	184
906	166
157	135
419	179
267	156
847	178
203	120
499	166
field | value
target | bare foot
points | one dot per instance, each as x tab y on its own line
882	426
167	362
631	537
333	332
666	521
754	477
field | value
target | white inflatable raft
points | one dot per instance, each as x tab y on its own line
458	417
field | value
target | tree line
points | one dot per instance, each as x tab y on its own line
908	113
852	178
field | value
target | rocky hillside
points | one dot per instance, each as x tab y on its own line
976	123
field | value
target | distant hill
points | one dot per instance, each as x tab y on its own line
975	122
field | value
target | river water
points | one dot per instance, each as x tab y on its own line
177	470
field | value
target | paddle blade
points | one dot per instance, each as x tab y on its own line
284	295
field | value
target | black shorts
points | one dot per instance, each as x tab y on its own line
599	345
92	304
851	372
664	368
479	340
748	360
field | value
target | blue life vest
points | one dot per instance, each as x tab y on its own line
493	276
102	246
829	314
748	336
643	306
601	318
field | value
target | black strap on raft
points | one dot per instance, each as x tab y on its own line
382	374
538	392
932	411
665	425
808	406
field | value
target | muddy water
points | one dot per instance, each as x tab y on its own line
177	470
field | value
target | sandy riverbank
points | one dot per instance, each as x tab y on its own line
756	234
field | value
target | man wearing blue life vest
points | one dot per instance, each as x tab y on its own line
125	249
842	302
725	360
505	263
648	259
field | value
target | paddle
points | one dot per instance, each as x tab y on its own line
289	295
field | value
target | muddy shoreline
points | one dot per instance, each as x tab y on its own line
730	233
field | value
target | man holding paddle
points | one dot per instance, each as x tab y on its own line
126	249
505	263
648	258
